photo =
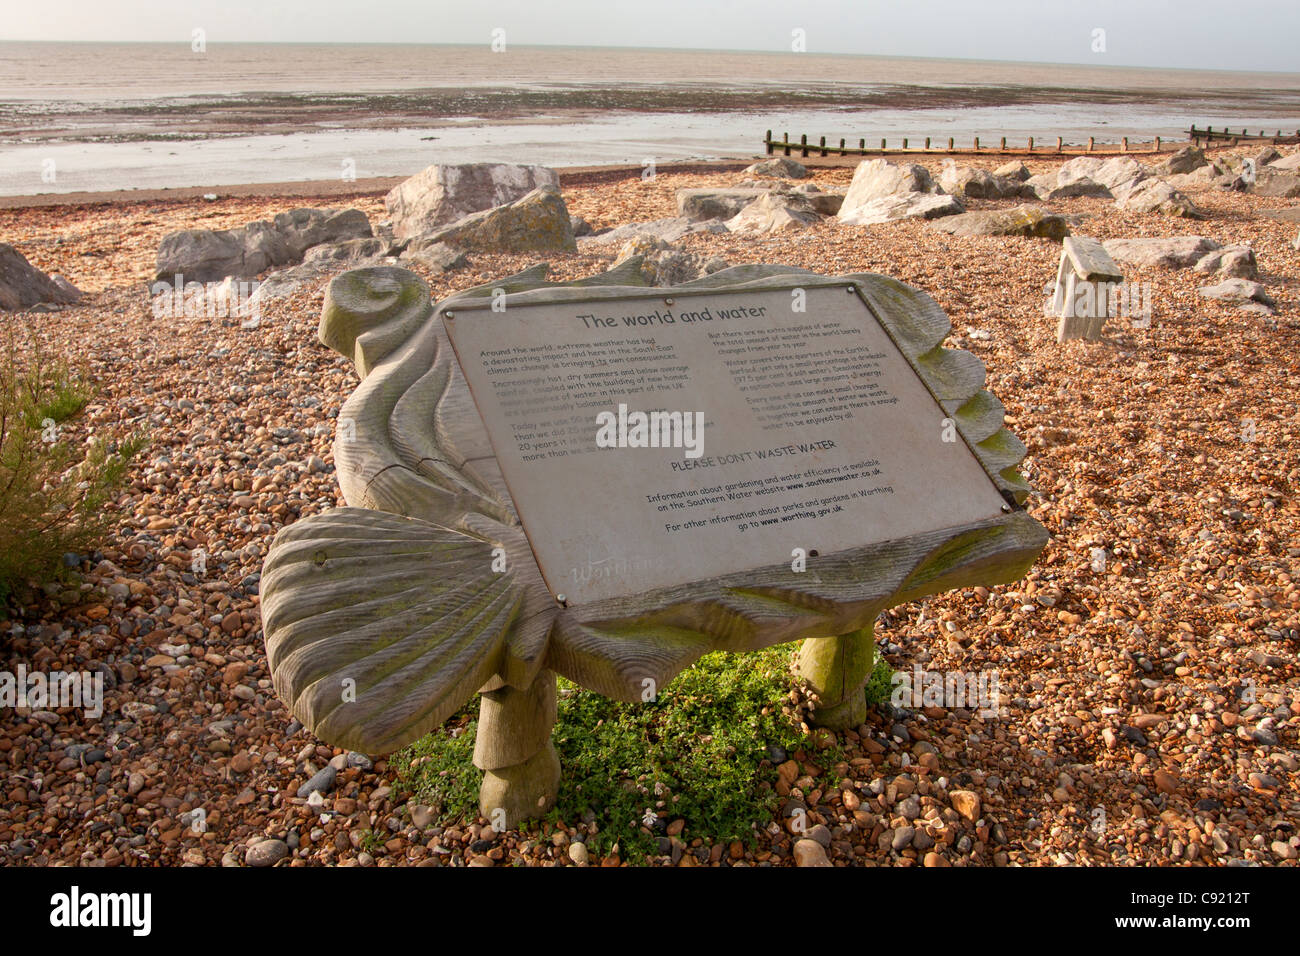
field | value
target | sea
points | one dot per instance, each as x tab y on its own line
121	116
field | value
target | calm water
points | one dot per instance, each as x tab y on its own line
121	116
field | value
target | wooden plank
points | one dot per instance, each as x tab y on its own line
1090	260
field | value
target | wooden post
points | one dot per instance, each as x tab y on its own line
803	145
977	144
842	153
1004	144
862	144
837	669
927	142
1031	144
950	144
1090	139
904	142
822	143
513	748
1058	144
1123	145
1157	144
767	141
882	145
786	140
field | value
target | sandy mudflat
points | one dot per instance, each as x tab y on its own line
1124	687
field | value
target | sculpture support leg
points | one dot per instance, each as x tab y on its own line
837	669
521	770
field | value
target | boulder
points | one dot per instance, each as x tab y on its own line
349	252
443	194
1236	262
699	205
22	285
1276	185
976	183
1184	161
536	222
1210	174
304	228
905	206
826	204
1047	186
774	212
209	255
1174	252
779	167
436	257
1156	195
1013	170
1287	163
669	230
1242	293
663	264
1027	221
877	178
1265	156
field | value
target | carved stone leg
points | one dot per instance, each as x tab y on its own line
837	668
514	750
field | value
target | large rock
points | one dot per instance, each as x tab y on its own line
881	191
975	183
877	178
22	285
780	167
669	230
824	203
1277	185
665	265
536	222
774	212
1156	195
1174	252
1287	163
443	194
208	255
436	257
1242	293
1184	161
1013	170
905	206
1027	221
304	228
1048	187
1237	262
699	205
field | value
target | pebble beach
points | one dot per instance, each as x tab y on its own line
1152	698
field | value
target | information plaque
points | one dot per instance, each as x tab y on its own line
654	441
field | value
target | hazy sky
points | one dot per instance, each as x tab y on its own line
1197	34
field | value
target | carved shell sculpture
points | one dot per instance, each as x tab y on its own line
385	617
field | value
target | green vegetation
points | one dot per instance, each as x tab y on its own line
52	490
702	748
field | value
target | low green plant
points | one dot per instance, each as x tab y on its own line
53	492
702	748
